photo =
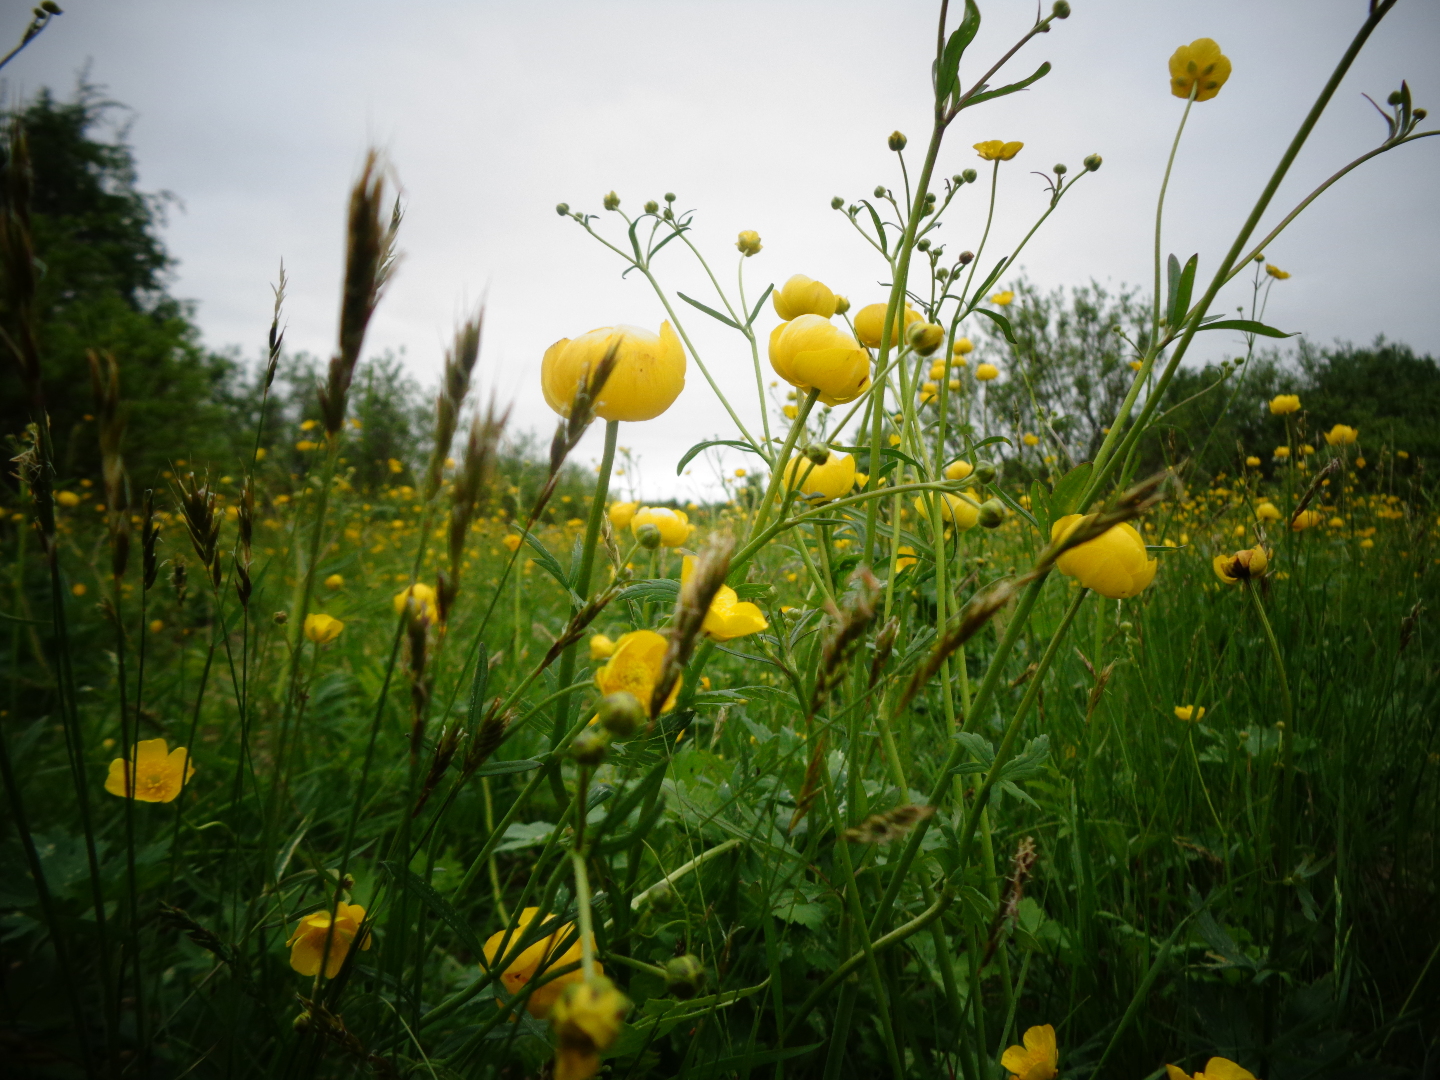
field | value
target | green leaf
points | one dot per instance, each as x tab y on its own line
477	687
1248	326
760	303
994	277
23	622
505	768
1040	73
879	226
1001	321
1009	500
440	906
661	589
1068	490
947	78
754	590
1040	502
709	311
1172	283
1187	286
550	564
656	249
522	835
689	455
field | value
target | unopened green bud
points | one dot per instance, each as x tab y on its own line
684	976
661	898
649	536
652	207
281	618
1093	162
817	453
879	191
837	203
589	747
1127	626
922	245
562	208
1061	9
966	258
1420	114
1061	169
969	176
1395	98
897	141
957	179
612	201
984	472
992	513
669	196
621	714
842	305
942	274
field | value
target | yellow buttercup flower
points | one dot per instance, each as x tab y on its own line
648	376
587	1019
422	597
158	775
907	557
1306	519
870	324
512	542
321	628
929	391
1341	435
622	513
601	647
821	483
1199	66
958	469
1002	299
959	510
1282	452
635	667
1114	564
810	353
998	149
1217	1068
1276	272
1281	404
334	582
1267	511
962	346
803	296
749	243
938	369
1248	565
1038	1059
924	338
307	943
674	525
986	372
1030	440
1252	462
67	498
729	616
537	959
1190	712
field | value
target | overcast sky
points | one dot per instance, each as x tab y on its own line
256	115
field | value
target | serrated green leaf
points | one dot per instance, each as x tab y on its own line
550	564
664	590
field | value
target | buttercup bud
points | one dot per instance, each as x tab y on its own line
879	191
897	141
651	206
837	203
969	176
669	196
281	618
957	179
621	714
589	747
925	338
612	201
1061	9
992	513
922	245
984	473
562	208
684	976
966	258
1093	162
649	536
1061	169
842	304
1420	114
661	898
1394	98
818	454
748	243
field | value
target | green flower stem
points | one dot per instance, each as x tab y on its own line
582	904
1105	461
566	671
1287	741
754	354
1160	209
780	462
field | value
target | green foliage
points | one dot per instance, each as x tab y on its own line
104	287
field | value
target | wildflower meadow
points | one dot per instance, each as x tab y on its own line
951	739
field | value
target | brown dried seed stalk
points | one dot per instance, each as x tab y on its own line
575	628
17	261
105	384
369	261
149	537
322	1021
1333	466
810	789
454	386
197	506
884	646
691	607
889	826
488	739
467	495
1020	865
847	631
444	754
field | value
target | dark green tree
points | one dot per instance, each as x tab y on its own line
104	287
